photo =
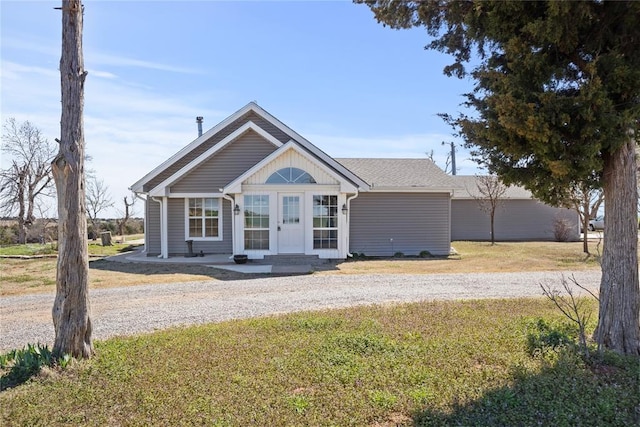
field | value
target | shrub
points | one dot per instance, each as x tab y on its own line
562	230
543	336
425	254
398	255
8	235
134	226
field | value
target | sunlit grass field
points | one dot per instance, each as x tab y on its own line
470	363
23	276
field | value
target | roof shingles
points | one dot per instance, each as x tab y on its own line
399	173
467	188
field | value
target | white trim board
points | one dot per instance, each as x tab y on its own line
235	186
161	189
137	186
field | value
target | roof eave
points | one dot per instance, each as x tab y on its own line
193	144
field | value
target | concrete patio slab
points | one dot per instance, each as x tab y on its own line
222	261
245	268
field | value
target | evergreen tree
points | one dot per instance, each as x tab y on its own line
557	96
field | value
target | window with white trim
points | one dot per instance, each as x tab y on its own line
203	218
256	222
325	222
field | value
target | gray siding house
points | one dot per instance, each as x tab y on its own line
251	185
518	217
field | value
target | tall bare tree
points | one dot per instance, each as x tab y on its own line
71	308
28	178
126	214
489	198
98	199
586	201
447	162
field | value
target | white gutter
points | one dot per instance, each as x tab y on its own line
144	221
163	219
233	223
349	199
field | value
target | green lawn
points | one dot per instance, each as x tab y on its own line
34	249
475	363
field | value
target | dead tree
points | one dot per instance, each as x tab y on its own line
489	198
29	175
71	308
126	215
98	199
586	199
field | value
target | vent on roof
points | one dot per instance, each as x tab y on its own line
199	122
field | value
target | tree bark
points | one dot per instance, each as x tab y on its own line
618	322
493	234
71	309
22	226
585	221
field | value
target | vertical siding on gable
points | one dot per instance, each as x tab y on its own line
292	159
515	220
415	221
226	165
153	227
177	233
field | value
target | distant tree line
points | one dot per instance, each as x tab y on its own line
26	192
45	230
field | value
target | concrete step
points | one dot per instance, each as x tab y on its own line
292	260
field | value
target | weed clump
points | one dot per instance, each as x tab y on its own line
18	366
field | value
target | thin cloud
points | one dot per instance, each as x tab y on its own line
102	74
39	46
13	70
93	58
121	61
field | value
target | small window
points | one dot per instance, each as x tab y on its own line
290	176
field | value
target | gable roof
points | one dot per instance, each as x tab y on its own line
400	174
467	188
235	185
195	152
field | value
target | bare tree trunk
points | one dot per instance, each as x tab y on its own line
122	223
22	226
586	205
493	234
71	309
618	322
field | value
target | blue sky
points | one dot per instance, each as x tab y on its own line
327	69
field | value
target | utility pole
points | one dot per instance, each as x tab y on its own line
453	156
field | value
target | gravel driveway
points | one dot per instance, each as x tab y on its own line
138	309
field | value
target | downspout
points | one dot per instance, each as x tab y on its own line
233	223
144	221
349	199
162	220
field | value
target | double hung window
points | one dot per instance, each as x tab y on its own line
204	218
325	222
256	222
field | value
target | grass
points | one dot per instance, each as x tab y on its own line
23	276
28	276
29	249
427	364
482	257
34	249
